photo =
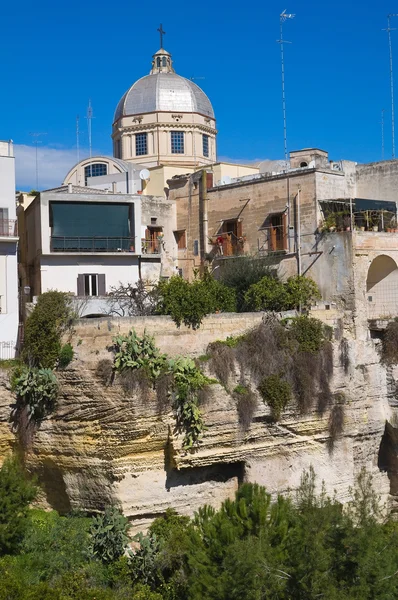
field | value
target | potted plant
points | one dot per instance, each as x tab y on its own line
347	221
329	223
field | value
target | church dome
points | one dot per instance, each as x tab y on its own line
163	91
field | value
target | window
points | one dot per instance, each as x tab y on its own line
303	164
177	142
118	149
275	226
141	144
91	284
158	61
164	64
205	145
94	170
181	239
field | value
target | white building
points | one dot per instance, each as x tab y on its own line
86	241
9	314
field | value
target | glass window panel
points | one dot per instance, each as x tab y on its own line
177	142
95	170
205	145
94	287
141	144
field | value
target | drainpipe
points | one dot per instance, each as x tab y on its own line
298	232
205	218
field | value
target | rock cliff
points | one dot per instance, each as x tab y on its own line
105	445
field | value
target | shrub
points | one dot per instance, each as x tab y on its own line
267	294
65	356
16	493
276	393
308	332
189	303
301	292
271	294
36	389
246	405
109	535
240	273
44	328
222	362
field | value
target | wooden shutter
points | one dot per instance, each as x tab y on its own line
80	285
101	285
209	180
239	228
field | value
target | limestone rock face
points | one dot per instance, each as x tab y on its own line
104	445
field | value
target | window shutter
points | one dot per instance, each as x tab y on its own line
209	180
239	229
101	285
80	285
285	231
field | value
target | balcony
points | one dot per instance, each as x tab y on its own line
92	244
227	244
8	228
150	246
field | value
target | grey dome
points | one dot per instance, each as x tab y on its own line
167	92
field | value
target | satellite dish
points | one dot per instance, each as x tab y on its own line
225	180
144	174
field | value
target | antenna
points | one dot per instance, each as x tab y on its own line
77	139
282	18
89	119
36	141
194	78
389	30
383	110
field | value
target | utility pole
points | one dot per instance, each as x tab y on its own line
36	142
389	30
282	18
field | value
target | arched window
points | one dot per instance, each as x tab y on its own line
303	164
95	170
164	62
158	61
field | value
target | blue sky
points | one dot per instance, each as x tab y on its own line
55	56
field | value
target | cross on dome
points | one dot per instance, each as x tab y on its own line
162	33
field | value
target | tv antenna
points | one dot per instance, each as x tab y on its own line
389	30
89	118
284	16
36	141
194	78
383	110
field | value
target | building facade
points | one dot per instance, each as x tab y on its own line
9	309
85	242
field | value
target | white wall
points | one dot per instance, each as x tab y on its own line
60	272
9	317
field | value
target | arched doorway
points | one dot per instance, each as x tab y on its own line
382	288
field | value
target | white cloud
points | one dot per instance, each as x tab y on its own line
54	163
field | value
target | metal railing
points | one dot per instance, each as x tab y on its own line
150	246
92	244
8	227
276	238
228	244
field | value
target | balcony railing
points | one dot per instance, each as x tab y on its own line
228	244
92	244
150	246
8	228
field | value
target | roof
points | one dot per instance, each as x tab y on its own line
76	189
163	92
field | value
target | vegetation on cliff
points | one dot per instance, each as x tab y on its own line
302	547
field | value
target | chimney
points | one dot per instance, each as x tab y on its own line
70	188
114	191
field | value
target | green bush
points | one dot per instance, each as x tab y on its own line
273	295
36	389
310	333
276	393
267	294
109	535
189	303
44	328
65	356
242	272
16	493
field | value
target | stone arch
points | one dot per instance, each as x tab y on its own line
382	287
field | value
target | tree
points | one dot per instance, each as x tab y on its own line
16	493
131	300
